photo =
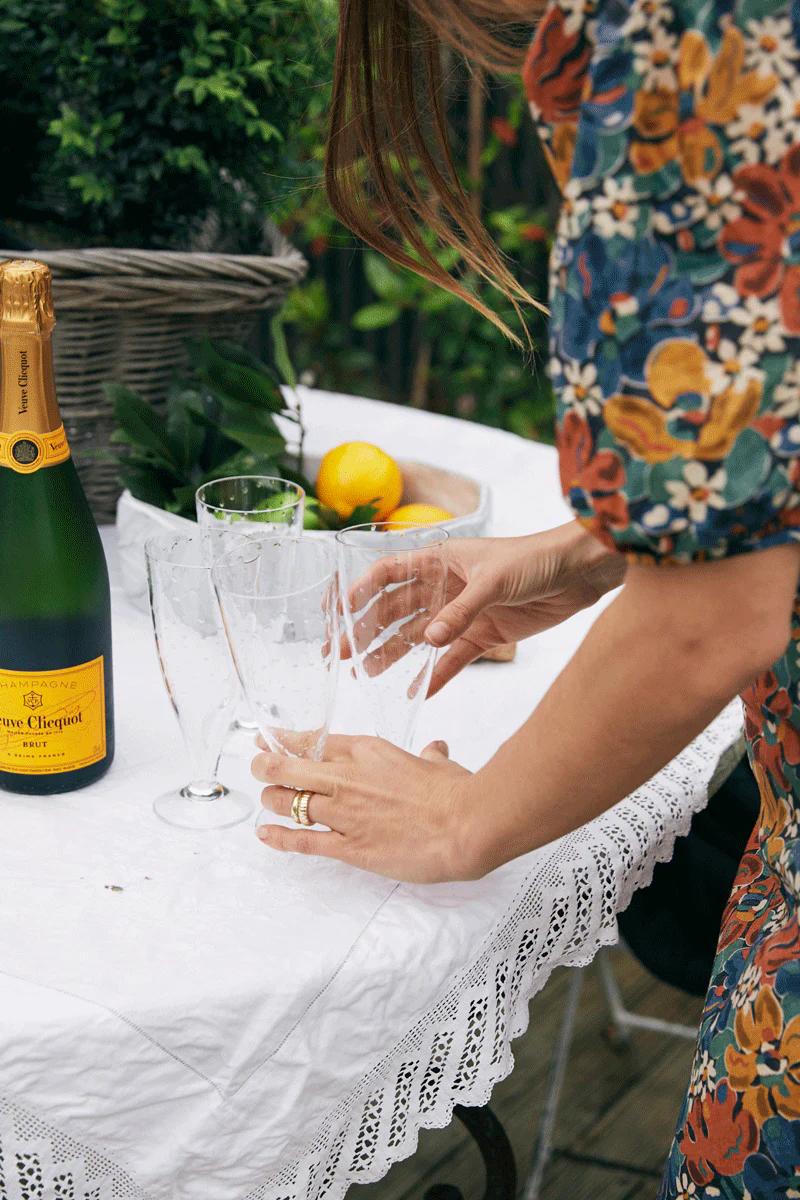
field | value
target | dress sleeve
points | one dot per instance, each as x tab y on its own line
675	288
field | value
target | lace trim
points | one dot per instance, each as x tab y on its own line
565	911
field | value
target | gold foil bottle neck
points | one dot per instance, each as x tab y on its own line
26	297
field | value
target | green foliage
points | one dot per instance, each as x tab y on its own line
220	420
464	365
130	121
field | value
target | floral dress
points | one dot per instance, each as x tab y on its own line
673	130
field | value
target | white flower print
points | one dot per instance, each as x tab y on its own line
615	210
698	491
715	201
686	1187
786	867
770	48
674	215
787	393
761	325
787	110
704	1076
760	134
555	371
655	58
732	365
720	303
746	990
777	917
579	13
660	518
647	15
581	390
575	211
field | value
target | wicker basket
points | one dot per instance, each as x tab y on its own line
126	315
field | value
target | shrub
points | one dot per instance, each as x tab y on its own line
145	122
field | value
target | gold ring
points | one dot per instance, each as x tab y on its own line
300	808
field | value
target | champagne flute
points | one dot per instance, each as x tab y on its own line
247	506
279	610
392	583
199	677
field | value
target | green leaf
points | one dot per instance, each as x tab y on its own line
376	316
283	359
253	434
183	501
140	423
147	485
384	280
362	514
186	434
246	384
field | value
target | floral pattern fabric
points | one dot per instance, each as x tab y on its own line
673	130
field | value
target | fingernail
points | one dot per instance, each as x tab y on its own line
437	633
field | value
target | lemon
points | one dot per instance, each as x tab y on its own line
419	514
358	473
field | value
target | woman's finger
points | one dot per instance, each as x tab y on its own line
368	624
457	616
436	752
460	655
321	809
303	841
407	637
297	773
388	572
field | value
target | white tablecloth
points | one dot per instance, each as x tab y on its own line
191	1017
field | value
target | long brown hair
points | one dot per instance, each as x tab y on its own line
389	170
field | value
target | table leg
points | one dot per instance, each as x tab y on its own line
543	1150
496	1152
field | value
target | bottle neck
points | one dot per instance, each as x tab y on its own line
31	432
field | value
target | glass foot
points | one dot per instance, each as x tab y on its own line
218	809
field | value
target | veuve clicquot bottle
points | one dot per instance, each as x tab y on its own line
56	707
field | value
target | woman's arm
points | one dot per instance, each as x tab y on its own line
656	667
675	646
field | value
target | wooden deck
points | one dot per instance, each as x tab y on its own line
617	1113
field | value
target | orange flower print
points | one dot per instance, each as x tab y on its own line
597	474
764	1064
719	86
718	1136
554	76
763	244
674	370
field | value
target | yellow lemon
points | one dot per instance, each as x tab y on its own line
419	514
357	473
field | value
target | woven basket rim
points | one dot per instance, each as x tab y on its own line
108	278
112	260
102	261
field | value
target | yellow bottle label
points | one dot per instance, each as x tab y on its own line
26	451
52	721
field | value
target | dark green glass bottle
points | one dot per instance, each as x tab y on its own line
56	699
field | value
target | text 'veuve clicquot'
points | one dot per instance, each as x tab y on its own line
56	702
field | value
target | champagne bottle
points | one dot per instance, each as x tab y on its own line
56	704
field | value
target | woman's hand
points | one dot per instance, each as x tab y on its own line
499	590
388	811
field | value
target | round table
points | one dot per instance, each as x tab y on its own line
193	1017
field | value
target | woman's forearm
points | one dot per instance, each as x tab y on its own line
655	668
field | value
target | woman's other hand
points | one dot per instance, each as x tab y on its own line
388	811
499	590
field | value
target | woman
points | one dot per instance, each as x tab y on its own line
672	128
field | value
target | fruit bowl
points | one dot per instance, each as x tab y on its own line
469	500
